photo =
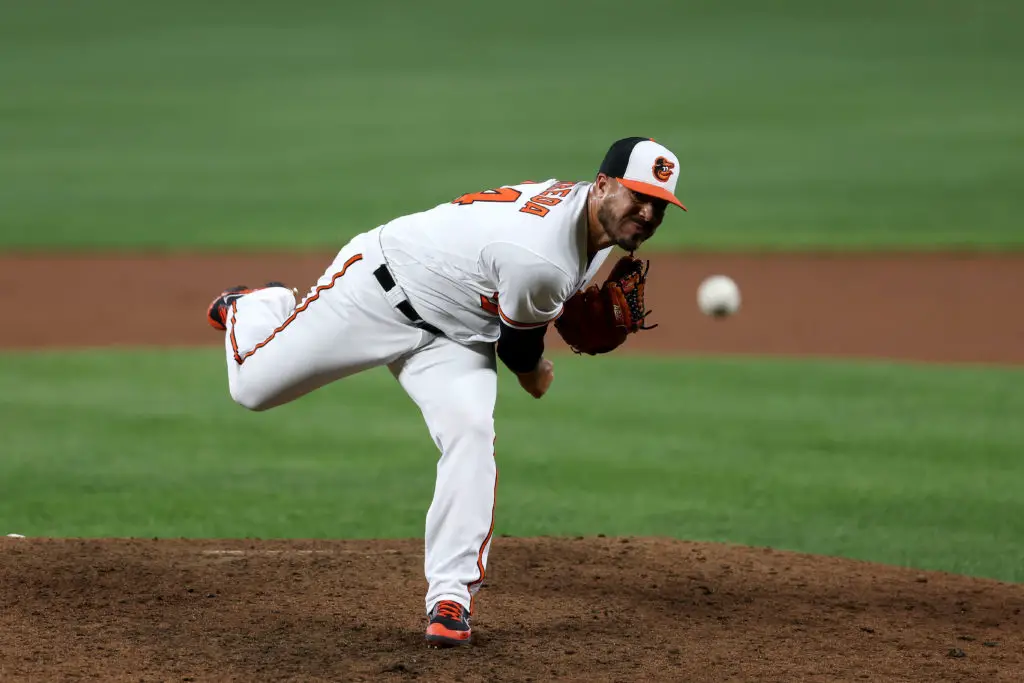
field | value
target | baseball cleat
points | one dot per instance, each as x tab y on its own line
449	625
217	312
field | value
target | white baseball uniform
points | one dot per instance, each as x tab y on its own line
516	252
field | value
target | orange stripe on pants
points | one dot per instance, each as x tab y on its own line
240	358
483	547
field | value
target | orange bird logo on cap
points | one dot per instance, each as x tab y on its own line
662	169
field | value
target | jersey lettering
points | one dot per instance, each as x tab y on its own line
535	209
538	204
501	194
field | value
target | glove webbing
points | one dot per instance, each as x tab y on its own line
633	298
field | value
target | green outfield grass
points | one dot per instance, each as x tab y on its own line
911	465
268	124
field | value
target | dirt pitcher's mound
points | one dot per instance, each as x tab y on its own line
551	609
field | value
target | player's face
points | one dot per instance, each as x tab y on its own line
629	218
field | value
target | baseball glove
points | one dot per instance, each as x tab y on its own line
598	320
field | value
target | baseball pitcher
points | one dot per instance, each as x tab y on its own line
440	297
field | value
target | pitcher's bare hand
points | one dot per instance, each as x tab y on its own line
537	382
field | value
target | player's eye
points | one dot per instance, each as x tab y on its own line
659	205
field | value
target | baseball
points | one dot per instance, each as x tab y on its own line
718	296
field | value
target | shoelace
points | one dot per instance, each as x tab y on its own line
451	610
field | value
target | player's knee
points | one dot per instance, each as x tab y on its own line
468	427
249	396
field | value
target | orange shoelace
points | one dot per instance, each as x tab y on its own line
449	609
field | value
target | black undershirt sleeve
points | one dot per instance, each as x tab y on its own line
521	350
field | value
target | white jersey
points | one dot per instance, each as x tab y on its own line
515	253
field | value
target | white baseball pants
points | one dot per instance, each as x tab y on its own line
278	351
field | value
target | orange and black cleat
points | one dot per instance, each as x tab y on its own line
217	312
449	625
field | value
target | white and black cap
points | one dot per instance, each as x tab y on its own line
644	166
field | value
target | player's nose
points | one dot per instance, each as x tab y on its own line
647	211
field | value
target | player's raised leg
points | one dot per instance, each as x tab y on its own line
455	388
277	350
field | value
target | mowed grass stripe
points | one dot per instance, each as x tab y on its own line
910	465
265	125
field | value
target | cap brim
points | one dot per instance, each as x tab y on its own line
652	190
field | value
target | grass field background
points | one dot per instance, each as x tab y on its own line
909	465
266	124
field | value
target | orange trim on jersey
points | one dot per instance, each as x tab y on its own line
652	190
240	358
483	546
515	323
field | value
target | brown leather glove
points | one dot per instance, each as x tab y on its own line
598	320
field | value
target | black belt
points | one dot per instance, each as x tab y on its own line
386	281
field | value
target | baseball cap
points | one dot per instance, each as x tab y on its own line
644	166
